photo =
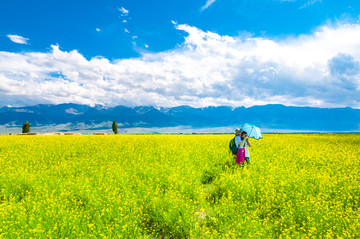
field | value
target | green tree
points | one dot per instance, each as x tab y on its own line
26	127
115	127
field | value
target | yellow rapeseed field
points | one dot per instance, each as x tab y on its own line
179	186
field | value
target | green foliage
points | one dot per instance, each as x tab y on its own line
26	127
171	186
115	127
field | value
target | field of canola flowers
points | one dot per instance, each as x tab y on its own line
178	186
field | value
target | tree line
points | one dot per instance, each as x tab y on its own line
26	127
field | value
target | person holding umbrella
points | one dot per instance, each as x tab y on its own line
242	144
239	145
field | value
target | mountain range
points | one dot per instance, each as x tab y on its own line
266	116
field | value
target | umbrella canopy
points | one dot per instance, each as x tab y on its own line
251	130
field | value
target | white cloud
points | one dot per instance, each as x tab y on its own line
207	4
98	29
320	69
124	12
146	46
309	3
18	39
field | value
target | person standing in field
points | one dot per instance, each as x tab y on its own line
242	144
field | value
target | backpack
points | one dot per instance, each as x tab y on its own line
232	146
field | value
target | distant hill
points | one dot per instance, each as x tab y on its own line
267	116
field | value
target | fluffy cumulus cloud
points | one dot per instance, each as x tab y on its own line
320	69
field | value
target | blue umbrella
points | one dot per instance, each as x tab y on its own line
251	130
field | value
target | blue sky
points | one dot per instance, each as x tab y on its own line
169	53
